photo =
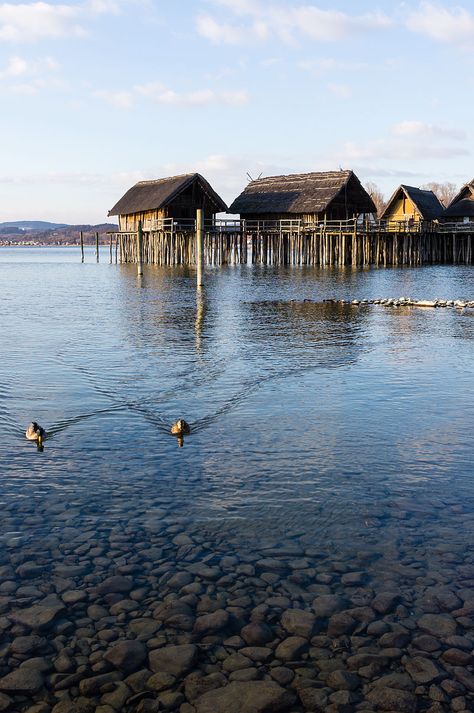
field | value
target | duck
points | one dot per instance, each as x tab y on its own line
180	428
35	432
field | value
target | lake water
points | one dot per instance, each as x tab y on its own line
334	440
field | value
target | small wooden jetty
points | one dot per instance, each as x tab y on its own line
321	219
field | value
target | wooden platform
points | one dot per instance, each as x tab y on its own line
289	242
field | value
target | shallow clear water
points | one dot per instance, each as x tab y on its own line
330	452
302	414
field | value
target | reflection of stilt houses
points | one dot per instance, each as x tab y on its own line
461	208
409	207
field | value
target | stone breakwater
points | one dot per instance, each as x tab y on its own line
152	612
405	302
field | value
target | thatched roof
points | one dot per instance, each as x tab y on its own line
426	203
300	193
153	195
462	205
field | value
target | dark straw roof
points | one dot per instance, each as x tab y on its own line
427	203
153	195
462	205
299	193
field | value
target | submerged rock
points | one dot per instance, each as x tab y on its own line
246	697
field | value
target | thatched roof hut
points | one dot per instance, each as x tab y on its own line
176	197
461	207
414	204
334	195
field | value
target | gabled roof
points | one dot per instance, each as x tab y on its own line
299	193
427	203
462	205
153	195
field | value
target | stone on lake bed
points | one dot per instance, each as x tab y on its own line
196	684
257	653
116	584
208	623
393	699
26	644
385	602
5	702
290	649
23	680
423	670
127	656
176	660
326	605
298	622
272	565
246	697
438	625
343	680
39	616
257	633
236	662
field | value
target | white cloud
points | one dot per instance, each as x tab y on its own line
31	21
26	22
24	76
228	34
119	99
326	65
340	91
409	140
287	22
420	128
445	24
19	67
159	93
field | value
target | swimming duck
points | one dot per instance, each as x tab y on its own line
34	432
180	428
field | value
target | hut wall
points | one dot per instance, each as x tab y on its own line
184	206
129	223
403	209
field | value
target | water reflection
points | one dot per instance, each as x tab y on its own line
302	414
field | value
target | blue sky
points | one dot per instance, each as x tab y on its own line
98	94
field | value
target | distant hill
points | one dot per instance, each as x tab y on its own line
61	235
32	225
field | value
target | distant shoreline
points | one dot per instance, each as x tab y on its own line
51	245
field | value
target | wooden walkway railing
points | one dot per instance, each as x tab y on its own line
294	242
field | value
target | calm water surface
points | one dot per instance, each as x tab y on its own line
331	453
303	415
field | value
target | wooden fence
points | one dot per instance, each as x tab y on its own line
293	242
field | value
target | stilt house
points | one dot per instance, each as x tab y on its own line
309	197
411	205
176	197
461	208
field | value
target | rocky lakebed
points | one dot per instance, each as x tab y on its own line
153	611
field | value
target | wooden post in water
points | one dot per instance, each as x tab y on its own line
110	248
82	246
200	247
97	246
140	249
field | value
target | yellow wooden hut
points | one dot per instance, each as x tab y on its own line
176	197
410	206
461	208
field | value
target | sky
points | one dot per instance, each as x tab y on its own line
96	95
